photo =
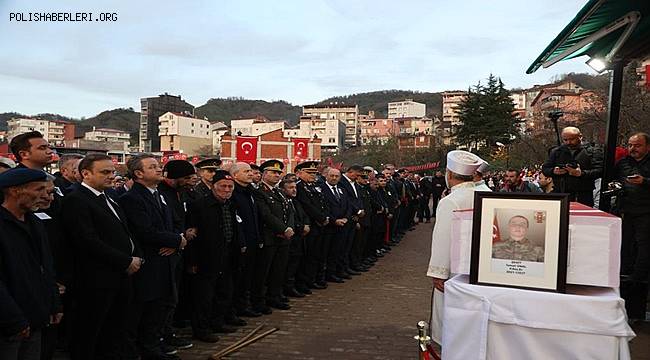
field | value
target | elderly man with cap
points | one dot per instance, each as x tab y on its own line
277	230
29	296
479	183
461	166
206	169
212	257
310	197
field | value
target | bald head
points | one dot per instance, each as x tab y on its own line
571	137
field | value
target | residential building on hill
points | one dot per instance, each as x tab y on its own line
406	109
255	126
331	131
151	110
55	131
348	114
109	136
218	130
180	132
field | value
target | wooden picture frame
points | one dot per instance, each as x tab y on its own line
520	240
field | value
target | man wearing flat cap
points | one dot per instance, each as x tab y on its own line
212	257
29	301
277	230
461	166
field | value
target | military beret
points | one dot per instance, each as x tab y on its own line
176	169
208	164
221	175
20	176
307	165
273	165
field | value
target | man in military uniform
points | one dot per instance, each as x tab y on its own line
310	196
359	255
297	245
277	230
206	169
517	246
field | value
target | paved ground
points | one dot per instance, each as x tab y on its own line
372	316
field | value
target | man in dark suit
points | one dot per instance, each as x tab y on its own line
105	258
212	257
574	167
69	168
297	244
278	224
352	191
150	221
310	196
339	214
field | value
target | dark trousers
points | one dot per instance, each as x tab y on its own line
394	223
635	247
345	248
211	301
423	210
315	259
244	278
270	271
358	252
295	259
100	323
146	324
336	239
25	349
183	308
49	339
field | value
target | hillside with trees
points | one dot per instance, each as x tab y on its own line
226	109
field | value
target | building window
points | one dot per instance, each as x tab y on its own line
332	140
192	131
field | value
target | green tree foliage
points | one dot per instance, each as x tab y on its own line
227	109
486	116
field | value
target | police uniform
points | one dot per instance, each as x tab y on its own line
461	197
310	196
522	250
277	217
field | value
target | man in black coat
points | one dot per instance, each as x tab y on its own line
243	198
310	196
29	296
339	212
212	256
155	291
105	258
574	167
297	245
348	183
278	224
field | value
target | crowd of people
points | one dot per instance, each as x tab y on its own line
109	266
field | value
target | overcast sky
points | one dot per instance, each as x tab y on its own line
301	51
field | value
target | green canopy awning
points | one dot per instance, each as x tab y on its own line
593	20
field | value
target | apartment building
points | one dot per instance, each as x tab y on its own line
406	109
150	111
184	133
347	114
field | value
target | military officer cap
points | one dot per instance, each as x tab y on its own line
308	166
208	164
272	165
176	169
21	176
463	162
221	175
254	166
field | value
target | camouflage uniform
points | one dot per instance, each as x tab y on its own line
522	250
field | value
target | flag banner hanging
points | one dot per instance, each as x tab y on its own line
300	148
247	149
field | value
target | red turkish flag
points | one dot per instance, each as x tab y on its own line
496	234
300	148
247	149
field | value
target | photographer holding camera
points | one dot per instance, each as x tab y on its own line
633	171
574	167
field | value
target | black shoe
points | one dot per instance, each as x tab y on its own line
208	338
248	312
223	329
379	254
235	321
178	342
276	304
284	299
318	286
352	272
304	290
344	275
292	292
335	279
168	349
263	309
159	356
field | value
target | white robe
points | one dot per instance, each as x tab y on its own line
461	197
481	186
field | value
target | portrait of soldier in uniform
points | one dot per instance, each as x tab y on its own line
518	246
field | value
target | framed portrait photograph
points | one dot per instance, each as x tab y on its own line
520	240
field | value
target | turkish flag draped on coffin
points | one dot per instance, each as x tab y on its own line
247	149
300	148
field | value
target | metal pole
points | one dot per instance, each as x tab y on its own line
614	109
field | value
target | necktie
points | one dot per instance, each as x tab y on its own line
336	192
156	196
